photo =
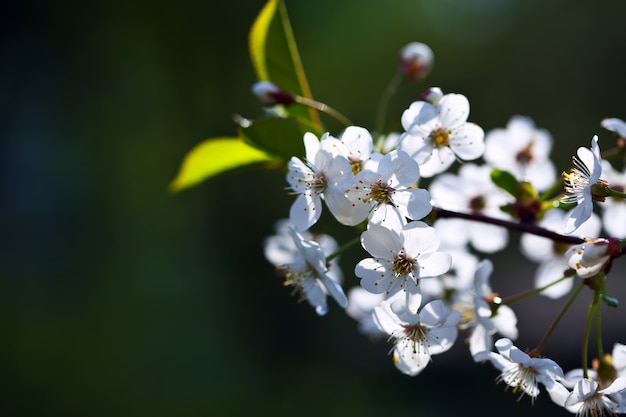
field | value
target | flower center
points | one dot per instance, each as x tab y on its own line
356	164
525	156
477	203
522	379
440	137
593	406
415	332
575	181
381	193
403	264
316	184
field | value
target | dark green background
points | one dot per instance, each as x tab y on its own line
117	298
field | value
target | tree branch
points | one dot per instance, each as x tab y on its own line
519	227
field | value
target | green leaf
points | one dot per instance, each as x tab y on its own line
505	180
282	137
275	57
212	157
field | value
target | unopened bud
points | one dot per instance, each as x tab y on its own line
433	95
590	258
271	95
416	60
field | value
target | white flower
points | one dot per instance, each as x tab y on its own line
486	320
614	208
471	191
524	373
416	335
551	255
308	273
619	359
319	176
589	399
615	125
578	182
355	144
436	136
401	259
523	150
280	248
591	257
386	195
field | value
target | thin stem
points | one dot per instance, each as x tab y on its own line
558	318
520	227
324	108
529	293
585	347
343	248
598	306
614	193
381	112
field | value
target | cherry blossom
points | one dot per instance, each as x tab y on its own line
308	273
280	248
317	177
356	145
522	149
591	257
435	136
417	335
401	259
487	316
588	398
524	373
578	182
386	195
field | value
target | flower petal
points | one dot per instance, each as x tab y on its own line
468	141
381	242
305	211
453	110
419	119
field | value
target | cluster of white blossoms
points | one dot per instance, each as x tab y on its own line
422	280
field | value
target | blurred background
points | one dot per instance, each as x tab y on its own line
117	298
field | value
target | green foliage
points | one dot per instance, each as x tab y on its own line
504	180
281	137
215	156
275	58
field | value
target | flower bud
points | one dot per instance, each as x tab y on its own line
416	60
589	258
271	95
432	95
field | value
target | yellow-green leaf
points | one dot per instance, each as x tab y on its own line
215	156
275	57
